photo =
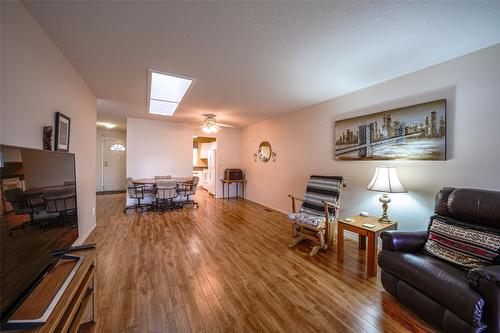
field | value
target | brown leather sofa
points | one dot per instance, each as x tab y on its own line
448	297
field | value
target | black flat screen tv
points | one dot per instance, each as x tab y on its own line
38	218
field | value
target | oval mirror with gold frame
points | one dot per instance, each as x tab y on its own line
265	151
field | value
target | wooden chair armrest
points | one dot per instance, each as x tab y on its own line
293	202
331	204
295	198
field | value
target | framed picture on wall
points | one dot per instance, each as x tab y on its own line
63	124
416	132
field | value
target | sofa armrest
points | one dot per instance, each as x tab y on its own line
404	241
489	273
486	281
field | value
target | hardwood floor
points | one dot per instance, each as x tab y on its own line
226	266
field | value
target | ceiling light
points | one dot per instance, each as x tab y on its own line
107	125
210	124
210	129
166	92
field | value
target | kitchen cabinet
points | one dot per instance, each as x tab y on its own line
199	174
204	148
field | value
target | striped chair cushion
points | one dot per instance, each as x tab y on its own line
319	190
460	245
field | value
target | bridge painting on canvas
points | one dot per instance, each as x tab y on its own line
416	132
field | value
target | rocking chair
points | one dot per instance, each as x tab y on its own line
319	210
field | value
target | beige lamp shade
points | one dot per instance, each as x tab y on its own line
386	180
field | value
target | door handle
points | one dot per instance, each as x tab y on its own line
106	163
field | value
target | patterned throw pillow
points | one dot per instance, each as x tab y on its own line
462	246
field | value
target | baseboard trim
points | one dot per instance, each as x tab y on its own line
347	234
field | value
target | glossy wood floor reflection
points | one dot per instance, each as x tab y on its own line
226	267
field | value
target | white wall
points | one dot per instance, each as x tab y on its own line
166	148
36	81
158	148
100	135
304	141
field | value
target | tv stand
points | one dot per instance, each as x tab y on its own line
64	299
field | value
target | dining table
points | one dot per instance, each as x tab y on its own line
153	181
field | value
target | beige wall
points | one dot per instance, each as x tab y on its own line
166	148
304	141
100	135
36	81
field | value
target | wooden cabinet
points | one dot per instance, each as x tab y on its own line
77	304
204	148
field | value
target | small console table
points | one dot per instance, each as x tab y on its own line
77	304
356	225
231	181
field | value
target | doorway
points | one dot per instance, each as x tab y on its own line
205	162
113	164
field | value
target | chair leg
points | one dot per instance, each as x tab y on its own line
190	202
296	238
320	245
135	206
322	242
314	250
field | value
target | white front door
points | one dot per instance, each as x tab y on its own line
113	167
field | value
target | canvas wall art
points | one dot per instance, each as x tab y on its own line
416	132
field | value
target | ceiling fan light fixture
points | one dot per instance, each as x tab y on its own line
210	129
210	124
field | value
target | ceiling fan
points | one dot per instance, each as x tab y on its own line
210	124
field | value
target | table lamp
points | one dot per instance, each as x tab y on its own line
385	180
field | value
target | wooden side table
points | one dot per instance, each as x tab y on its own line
229	182
356	225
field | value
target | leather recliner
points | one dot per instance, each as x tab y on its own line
449	297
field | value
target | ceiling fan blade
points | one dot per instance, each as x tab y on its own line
225	125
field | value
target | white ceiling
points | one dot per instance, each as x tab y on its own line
256	60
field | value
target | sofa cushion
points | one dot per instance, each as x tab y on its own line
475	206
461	245
446	284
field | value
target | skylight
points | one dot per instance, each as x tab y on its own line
166	92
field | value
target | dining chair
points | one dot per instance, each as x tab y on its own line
163	177
187	190
166	191
61	201
135	191
24	204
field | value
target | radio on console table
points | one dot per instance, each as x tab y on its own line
233	174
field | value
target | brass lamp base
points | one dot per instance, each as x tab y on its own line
384	199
